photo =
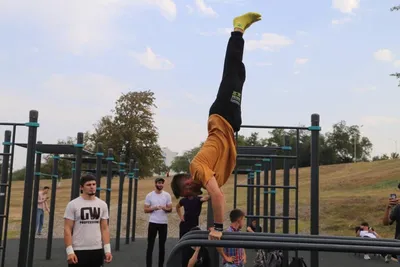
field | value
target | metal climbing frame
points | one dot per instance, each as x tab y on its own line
6	183
313	243
258	159
254	158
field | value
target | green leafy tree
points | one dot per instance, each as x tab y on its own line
342	140
130	130
394	155
182	163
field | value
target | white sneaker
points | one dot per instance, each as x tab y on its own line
366	257
387	258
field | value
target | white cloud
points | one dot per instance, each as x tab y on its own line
296	72
190	9
269	42
301	61
397	63
152	61
62	99
204	9
79	26
219	31
167	7
340	21
384	55
346	6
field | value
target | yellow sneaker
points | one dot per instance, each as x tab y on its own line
244	21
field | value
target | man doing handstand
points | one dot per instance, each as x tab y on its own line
214	163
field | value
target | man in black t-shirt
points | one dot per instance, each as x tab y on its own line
192	207
392	214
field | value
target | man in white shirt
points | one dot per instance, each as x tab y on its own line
86	231
368	232
41	207
158	203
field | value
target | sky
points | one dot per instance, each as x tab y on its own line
71	60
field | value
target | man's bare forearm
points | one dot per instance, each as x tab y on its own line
67	237
218	205
106	235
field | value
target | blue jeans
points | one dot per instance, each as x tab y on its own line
39	220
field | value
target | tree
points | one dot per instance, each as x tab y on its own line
397	75
342	140
394	155
395	8
182	163
130	130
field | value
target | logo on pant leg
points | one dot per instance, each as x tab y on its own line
236	98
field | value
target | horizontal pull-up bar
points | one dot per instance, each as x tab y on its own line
266	156
273	127
303	239
281	245
267	186
294	236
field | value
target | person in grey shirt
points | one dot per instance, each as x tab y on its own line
86	228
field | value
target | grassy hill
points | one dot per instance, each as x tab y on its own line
349	194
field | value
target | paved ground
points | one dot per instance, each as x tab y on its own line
134	255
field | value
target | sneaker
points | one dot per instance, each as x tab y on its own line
366	257
387	258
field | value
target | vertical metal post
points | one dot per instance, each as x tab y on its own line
136	176
286	195
109	159
235	179
249	203
314	207
28	186
10	175
120	194
273	196
266	194
128	211
258	182
73	179
34	207
3	185
78	163
214	255
297	185
54	179
99	164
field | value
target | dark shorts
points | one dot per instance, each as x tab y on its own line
89	258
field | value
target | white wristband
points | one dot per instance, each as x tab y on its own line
70	250
107	248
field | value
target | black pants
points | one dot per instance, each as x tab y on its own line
153	229
89	258
228	101
187	252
